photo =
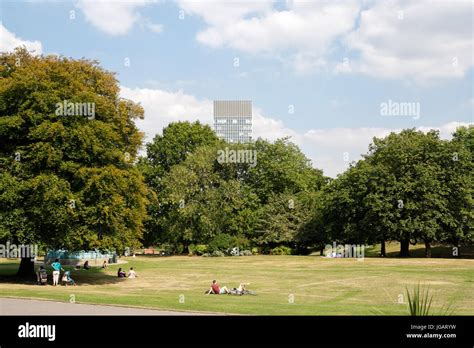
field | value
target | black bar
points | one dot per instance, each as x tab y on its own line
134	331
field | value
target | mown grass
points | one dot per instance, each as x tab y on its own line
285	285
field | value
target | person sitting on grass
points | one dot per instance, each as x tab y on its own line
121	274
132	273
104	265
217	290
86	265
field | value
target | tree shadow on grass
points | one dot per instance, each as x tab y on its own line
437	252
92	276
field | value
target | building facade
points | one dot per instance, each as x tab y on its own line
233	120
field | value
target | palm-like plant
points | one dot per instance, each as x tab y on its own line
419	303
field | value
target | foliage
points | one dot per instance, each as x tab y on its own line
198	249
410	187
68	181
419	303
281	250
222	242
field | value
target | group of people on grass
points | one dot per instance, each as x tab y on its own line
131	273
42	275
216	289
66	279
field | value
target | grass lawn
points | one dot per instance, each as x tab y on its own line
319	286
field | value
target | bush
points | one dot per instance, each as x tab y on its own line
217	253
178	249
240	242
167	248
201	249
198	249
245	253
281	250
255	251
206	255
222	242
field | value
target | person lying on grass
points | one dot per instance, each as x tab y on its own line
241	289
216	289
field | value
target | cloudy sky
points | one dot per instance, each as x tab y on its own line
318	71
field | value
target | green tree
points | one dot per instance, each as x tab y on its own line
458	154
410	187
197	204
282	168
288	219
67	176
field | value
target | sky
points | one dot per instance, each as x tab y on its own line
329	74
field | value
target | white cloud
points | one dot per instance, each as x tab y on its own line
156	28
302	33
417	40
325	147
261	30
115	17
8	41
162	107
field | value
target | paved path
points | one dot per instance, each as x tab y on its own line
14	306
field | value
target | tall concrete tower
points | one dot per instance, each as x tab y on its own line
233	120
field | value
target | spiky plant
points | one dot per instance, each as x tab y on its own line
419	302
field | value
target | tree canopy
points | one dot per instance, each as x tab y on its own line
68	178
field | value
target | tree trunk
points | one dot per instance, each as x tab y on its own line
427	249
27	268
405	248
321	251
382	248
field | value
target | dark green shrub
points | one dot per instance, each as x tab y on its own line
281	250
240	242
167	248
222	242
200	249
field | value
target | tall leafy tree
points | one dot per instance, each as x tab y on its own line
282	168
67	150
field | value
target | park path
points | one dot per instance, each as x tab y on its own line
15	306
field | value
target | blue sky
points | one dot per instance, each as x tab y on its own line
333	63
